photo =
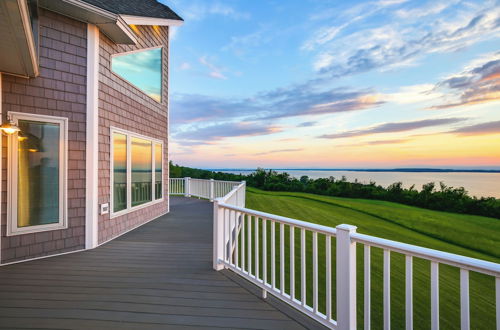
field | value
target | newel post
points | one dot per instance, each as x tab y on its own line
218	233
187	188
212	190
346	278
244	194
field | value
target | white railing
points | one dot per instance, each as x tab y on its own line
313	267
244	239
209	189
177	186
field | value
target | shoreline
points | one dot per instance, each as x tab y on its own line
398	170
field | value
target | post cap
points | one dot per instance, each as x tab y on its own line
349	228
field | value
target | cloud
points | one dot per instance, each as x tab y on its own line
185	66
492	127
351	16
303	100
307	124
394	127
194	108
476	84
403	41
199	10
214	71
280	103
277	151
225	130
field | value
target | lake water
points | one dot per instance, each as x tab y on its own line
477	184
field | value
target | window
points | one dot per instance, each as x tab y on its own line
137	171
142	68
37	174
158	171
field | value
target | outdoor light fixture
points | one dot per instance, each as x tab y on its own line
21	137
9	127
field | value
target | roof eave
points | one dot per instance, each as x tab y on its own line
142	20
112	25
21	57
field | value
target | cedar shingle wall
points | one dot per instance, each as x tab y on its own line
59	91
124	106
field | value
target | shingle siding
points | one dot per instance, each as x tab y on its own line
124	106
60	90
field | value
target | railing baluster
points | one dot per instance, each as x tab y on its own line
328	248
226	215
434	295
464	300
367	287
303	266
387	289
256	248
497	296
282	258
273	255
249	244
315	272
243	216
292	262
264	251
236	238
409	292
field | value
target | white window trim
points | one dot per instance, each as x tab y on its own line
12	228
129	135
131	83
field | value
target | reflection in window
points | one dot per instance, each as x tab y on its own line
142	174
38	173
158	171
119	172
142	69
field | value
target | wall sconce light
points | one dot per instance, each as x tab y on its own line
9	127
21	137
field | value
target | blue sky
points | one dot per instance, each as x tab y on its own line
335	83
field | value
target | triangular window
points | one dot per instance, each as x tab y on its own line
141	68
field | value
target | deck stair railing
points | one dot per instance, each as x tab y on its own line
272	252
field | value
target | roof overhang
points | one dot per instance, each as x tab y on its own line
18	53
141	20
111	24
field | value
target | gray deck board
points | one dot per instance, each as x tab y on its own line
158	276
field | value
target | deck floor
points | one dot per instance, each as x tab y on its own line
155	277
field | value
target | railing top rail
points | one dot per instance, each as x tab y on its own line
233	191
289	221
451	259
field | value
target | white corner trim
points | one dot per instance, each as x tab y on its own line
92	143
168	122
1	116
23	8
140	20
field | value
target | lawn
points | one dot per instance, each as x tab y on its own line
473	236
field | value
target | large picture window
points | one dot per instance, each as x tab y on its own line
137	171
142	68
37	174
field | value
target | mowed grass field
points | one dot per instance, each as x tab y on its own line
473	236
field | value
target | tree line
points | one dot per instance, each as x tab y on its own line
432	196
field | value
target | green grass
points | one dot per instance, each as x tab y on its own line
472	236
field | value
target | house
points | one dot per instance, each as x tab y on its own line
84	108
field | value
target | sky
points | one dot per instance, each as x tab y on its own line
335	84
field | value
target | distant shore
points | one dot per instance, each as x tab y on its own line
403	170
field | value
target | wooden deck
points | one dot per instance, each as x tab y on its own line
156	277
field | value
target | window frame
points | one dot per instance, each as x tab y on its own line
131	83
12	175
129	135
